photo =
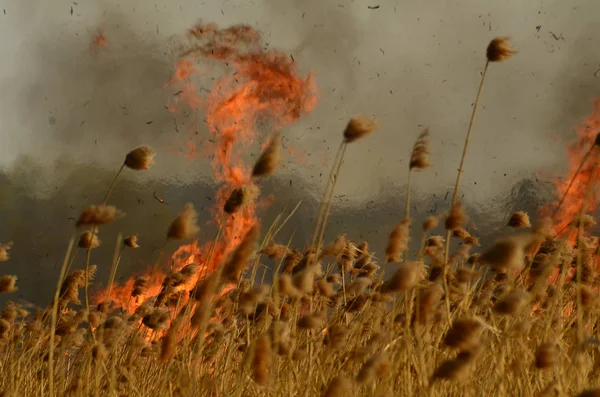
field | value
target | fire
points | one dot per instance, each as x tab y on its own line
99	41
259	88
578	151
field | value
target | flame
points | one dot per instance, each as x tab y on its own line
579	181
260	88
99	41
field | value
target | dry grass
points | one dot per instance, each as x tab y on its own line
308	335
499	323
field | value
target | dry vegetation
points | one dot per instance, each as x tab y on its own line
511	321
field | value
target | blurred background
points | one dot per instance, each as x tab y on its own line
84	82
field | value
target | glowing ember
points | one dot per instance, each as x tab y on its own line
259	87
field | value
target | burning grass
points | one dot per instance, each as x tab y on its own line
518	318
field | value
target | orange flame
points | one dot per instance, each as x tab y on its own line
579	181
264	89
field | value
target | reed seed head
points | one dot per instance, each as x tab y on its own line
456	368
88	240
262	361
419	157
398	240
506	254
499	50
457	217
275	251
269	160
140	286
131	241
184	227
4	256
359	127
140	158
546	355
99	352
464	334
403	279
311	321
243	253
511	303
430	223
96	215
169	344
519	220
7	284
240	198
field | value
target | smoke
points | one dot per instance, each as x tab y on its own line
71	111
410	65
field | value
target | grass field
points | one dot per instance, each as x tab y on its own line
517	318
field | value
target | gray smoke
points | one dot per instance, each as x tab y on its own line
69	113
409	65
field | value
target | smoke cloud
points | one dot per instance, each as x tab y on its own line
71	110
410	65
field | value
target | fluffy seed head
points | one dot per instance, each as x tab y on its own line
464	334
240	198
419	157
457	217
99	352
235	266
287	288
358	286
455	368
337	247
546	355
169	344
325	288
304	280
4	329
430	223
7	284
88	240
262	361
587	221
268	161
403	279
311	321
519	220
98	215
275	251
506	254
4	251
499	50
140	286
140	158
398	240
511	303
184	226
359	127
131	241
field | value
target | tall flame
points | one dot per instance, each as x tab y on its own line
579	181
259	87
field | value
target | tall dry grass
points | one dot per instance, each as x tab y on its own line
332	323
